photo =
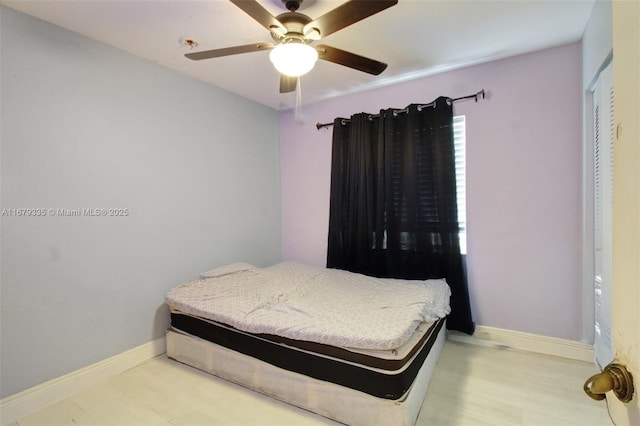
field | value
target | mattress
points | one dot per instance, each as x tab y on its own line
347	346
321	305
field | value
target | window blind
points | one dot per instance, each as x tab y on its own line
459	144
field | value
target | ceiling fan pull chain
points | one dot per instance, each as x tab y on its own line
298	111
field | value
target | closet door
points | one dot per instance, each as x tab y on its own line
603	209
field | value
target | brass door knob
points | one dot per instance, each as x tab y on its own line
614	377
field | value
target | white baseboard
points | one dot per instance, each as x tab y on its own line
33	399
563	348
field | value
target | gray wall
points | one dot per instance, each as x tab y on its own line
88	126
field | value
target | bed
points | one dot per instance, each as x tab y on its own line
355	349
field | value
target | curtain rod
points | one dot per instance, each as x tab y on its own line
475	96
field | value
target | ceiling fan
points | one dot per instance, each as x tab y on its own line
293	32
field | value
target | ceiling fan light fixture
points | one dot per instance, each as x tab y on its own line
293	58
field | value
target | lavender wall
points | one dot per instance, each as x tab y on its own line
523	180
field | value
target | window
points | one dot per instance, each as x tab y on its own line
459	143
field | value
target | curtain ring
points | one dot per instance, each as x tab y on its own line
343	122
449	102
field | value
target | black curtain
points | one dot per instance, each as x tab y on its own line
393	210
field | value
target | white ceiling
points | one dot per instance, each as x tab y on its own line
415	37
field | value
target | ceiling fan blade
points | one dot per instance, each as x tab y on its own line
261	15
287	84
350	60
216	53
347	14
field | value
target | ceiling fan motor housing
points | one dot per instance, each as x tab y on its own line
294	22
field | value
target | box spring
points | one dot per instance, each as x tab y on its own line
349	387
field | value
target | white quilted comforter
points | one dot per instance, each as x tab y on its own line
322	305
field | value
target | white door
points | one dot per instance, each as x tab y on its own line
626	204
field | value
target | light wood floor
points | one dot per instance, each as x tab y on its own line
473	385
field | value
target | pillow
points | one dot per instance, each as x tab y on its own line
227	269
